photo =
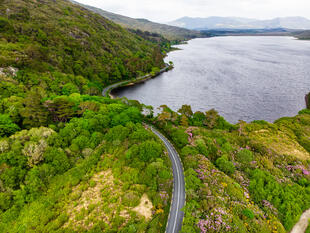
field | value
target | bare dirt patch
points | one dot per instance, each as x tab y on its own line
145	207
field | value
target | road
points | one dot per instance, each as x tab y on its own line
175	219
106	91
176	214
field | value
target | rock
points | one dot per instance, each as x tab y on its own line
308	101
8	71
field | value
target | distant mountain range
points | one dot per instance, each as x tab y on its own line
168	31
241	23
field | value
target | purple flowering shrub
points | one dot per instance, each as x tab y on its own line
224	167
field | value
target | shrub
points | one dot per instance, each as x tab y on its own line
304	111
7	127
224	165
180	138
131	199
248	213
244	156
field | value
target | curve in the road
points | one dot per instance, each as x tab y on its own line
176	214
175	219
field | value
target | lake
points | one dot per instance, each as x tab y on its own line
243	78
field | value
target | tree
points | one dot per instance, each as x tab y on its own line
179	137
34	113
69	89
184	121
7	127
198	118
186	110
61	109
149	150
211	118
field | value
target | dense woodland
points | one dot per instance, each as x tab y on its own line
71	161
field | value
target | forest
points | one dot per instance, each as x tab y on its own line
70	160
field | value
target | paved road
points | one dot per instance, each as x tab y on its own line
176	214
108	89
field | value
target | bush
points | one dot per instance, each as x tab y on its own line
224	165
244	156
248	213
7	127
304	111
180	138
131	199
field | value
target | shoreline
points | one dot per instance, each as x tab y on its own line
107	90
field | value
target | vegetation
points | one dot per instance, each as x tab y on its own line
175	34
71	161
248	177
57	36
85	169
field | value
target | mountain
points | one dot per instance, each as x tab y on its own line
241	23
169	32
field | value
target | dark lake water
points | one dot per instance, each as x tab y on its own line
248	78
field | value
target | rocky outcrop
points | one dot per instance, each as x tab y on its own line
308	101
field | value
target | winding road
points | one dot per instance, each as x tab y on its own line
176	214
175	219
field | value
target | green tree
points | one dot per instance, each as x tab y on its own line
69	89
186	110
34	113
149	150
7	127
61	109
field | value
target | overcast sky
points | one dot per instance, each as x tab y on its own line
168	10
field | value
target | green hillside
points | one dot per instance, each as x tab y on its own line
50	36
248	177
169	32
71	161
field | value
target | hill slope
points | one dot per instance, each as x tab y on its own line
169	32
241	23
303	35
60	36
71	161
248	177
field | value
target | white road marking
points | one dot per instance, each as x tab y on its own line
178	176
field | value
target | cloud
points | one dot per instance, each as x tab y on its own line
167	10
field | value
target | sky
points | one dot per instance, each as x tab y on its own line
169	10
